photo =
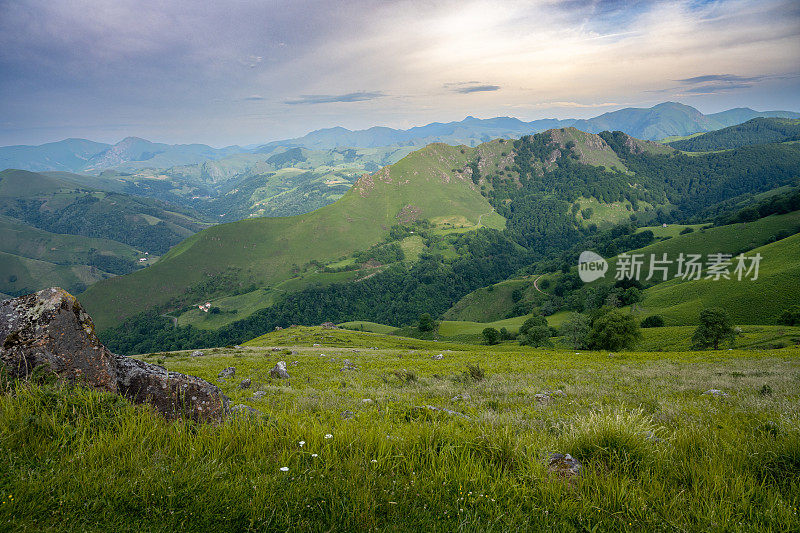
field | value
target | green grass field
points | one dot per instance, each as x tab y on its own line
360	450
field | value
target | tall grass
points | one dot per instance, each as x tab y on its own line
654	459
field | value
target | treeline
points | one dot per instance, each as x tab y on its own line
102	215
396	296
755	131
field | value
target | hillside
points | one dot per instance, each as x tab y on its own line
755	131
747	302
519	296
264	251
58	232
262	273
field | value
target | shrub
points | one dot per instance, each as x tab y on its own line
491	336
575	330
426	322
686	230
654	321
715	326
535	332
614	331
790	317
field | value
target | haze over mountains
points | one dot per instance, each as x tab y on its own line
79	155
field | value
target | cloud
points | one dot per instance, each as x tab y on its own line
254	98
361	96
467	89
727	78
711	88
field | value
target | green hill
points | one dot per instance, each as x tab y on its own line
56	231
755	131
747	301
263	252
519	296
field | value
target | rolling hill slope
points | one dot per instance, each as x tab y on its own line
265	251
755	131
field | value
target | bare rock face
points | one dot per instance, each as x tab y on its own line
49	328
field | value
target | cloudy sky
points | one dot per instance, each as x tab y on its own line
225	72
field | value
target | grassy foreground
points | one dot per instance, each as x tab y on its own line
658	454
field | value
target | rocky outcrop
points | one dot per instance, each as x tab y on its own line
50	330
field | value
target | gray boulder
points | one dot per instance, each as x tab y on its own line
227	373
196	353
279	371
564	465
245	384
50	329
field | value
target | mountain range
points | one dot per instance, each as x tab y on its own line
664	120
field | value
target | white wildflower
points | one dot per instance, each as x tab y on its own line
284	469
302	443
328	436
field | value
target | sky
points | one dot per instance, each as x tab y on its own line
246	72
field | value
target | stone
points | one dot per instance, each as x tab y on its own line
347	365
564	465
542	398
245	384
347	415
244	410
438	357
716	393
366	400
227	373
173	394
197	353
50	329
279	371
259	393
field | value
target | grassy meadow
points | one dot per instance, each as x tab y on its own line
396	440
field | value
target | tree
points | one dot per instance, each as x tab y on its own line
426	323
491	336
535	332
653	321
790	317
575	330
715	326
614	330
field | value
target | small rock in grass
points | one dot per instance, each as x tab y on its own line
279	371
348	365
438	357
197	353
245	384
564	465
259	393
716	393
294	363
227	372
347	415
244	410
542	397
366	400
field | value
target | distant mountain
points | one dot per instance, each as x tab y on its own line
80	155
658	122
132	153
755	131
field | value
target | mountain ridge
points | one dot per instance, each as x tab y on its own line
660	121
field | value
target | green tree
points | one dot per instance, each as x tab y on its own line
653	321
535	332
575	330
614	330
491	336
715	326
426	322
790	317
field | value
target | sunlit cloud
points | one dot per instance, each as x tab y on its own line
328	99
